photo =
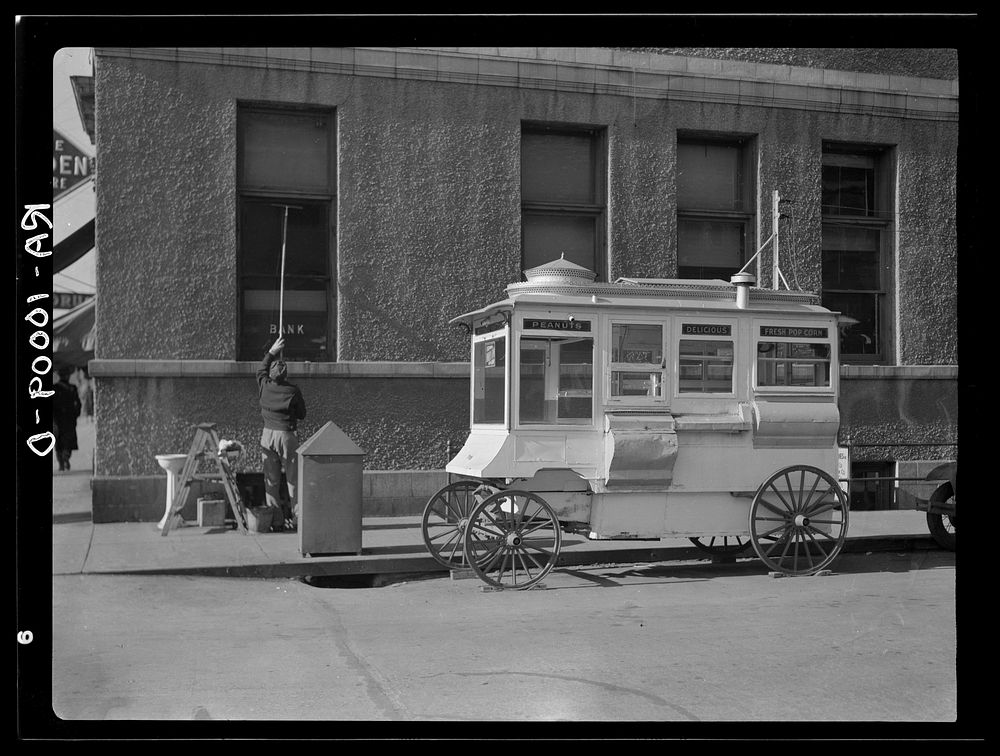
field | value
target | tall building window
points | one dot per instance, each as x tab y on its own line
286	192
714	205
857	247
563	197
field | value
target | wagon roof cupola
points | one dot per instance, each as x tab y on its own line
562	272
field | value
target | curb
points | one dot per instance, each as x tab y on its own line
423	564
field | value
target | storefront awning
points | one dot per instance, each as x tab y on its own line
74	336
73	232
73	247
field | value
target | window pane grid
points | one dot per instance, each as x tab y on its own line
556	381
489	381
705	366
285	159
793	364
857	210
637	360
712	204
562	204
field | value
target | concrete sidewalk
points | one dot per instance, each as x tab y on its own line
389	545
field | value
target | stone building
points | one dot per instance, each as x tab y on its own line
410	185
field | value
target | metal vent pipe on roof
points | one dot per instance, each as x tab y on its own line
743	282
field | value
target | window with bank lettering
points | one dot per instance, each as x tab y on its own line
286	197
857	247
714	205
563	176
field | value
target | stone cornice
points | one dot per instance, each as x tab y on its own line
602	71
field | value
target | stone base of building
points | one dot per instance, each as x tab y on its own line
385	493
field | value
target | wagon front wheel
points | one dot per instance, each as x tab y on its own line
446	516
513	539
798	520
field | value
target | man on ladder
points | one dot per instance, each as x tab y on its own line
281	406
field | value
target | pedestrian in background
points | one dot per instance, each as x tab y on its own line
65	410
281	406
87	395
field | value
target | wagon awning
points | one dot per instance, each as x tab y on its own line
470	317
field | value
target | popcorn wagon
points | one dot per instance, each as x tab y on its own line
644	409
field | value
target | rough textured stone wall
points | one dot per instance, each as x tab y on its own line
893	411
400	424
429	215
927	262
166	213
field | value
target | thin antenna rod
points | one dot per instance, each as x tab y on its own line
776	216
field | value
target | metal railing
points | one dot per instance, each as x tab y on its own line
879	494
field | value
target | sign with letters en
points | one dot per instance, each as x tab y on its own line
70	165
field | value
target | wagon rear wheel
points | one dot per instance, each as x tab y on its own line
513	539
798	520
445	518
943	525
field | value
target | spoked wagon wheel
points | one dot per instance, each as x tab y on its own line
446	516
513	539
798	520
722	545
943	525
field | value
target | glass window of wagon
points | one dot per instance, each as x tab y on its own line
285	159
793	363
637	366
857	247
705	362
714	204
489	381
556	380
563	175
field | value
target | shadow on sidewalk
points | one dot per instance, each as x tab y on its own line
69	517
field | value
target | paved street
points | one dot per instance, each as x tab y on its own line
677	642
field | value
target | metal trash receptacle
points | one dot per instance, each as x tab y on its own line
330	493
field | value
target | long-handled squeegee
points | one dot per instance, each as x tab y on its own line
281	294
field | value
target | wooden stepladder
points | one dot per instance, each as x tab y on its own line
205	452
